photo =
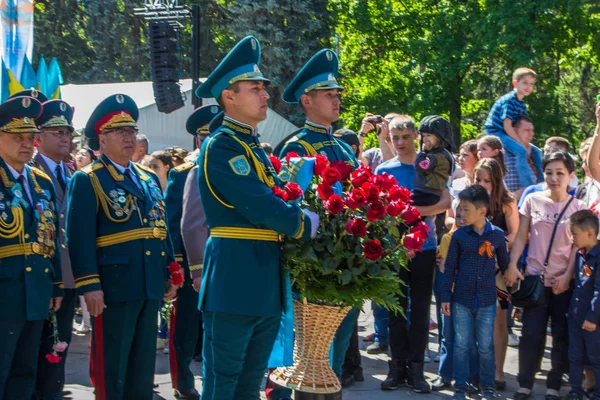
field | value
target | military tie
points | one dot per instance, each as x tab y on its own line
129	175
60	178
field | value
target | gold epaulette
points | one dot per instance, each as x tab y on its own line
147	169
40	173
185	166
92	167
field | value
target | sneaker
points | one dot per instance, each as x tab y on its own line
396	378
377	348
575	396
160	344
513	340
369	338
437	358
166	348
489	395
439	384
432	325
81	330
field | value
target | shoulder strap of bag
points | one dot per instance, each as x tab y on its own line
554	231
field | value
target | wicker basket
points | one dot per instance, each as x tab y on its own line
315	327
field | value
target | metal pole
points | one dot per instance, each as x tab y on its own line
196	101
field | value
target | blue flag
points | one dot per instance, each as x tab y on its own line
42	76
55	78
28	77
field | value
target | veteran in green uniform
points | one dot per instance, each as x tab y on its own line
316	89
185	317
54	144
30	270
241	295
120	249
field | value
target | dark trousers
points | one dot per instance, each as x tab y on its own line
183	336
583	344
408	343
51	377
19	347
352	361
535	320
123	350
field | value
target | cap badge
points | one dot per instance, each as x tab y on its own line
254	44
214	109
63	107
329	55
26	102
120	99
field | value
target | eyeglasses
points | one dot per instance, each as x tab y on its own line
60	134
124	131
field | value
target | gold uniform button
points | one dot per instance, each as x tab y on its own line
46	270
145	220
156	232
28	269
162	254
27	236
148	253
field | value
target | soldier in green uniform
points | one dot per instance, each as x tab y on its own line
54	145
30	274
120	249
316	89
241	294
185	316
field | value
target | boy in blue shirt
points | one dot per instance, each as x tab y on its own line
505	112
471	269
584	311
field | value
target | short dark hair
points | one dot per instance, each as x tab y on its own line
477	195
520	119
560	141
267	148
235	87
140	138
585	219
559	155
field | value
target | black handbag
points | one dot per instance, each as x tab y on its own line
530	291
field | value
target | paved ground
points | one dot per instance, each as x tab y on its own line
375	369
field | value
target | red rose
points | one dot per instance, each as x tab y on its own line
53	358
325	191
371	191
345	169
375	212
395	208
176	278
282	194
376	180
321	162
293	191
413	241
400	193
334	204
356	198
174	266
422	228
373	250
356	227
331	176
276	162
410	215
388	181
289	155
359	177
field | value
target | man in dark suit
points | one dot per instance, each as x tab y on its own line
54	144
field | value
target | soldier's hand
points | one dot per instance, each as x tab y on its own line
197	283
170	292
95	302
55	303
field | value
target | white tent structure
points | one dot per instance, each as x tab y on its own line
162	130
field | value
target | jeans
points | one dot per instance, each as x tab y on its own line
381	316
408	343
163	329
535	320
520	153
446	336
582	343
474	328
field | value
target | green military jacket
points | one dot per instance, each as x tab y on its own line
313	139
242	269
30	269
117	234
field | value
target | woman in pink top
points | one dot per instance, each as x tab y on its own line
538	216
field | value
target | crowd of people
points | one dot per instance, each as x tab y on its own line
199	233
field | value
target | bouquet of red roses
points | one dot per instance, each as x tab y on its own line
366	232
